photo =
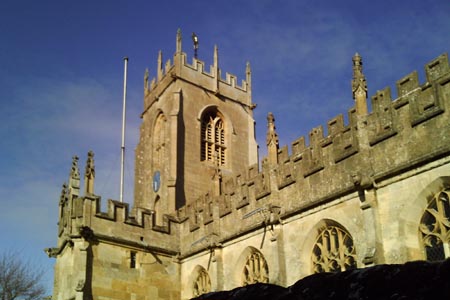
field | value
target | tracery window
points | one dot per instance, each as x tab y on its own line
202	283
255	269
213	138
333	251
435	227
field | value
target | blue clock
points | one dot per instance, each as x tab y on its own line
156	181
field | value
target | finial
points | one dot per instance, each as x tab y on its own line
90	168
178	40
272	140
216	56
74	172
359	86
159	67
248	74
146	80
89	174
216	69
62	198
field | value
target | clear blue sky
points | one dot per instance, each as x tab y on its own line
61	73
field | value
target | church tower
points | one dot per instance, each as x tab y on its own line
197	129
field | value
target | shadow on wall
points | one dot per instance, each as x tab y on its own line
413	280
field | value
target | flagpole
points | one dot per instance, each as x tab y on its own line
122	160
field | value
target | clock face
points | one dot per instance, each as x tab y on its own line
156	181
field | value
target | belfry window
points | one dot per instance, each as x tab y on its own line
435	227
213	138
255	269
202	283
333	251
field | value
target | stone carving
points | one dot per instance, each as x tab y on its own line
271	140
359	86
89	175
75	172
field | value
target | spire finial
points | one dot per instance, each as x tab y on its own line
89	174
248	74
359	86
272	140
146	86
74	178
62	197
74	171
159	67
216	56
178	40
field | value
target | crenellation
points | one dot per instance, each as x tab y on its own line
313	158
345	139
200	67
261	182
144	217
197	74
208	210
408	85
426	104
193	217
298	148
231	80
242	198
285	172
437	68
381	120
224	202
335	125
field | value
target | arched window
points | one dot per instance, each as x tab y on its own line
255	269
435	227
213	138
159	140
202	283
333	251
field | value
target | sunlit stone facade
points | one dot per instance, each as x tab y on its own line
207	217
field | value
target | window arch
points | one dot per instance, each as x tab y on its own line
213	146
255	269
159	140
435	227
333	251
202	282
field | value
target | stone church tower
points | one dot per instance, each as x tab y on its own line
197	129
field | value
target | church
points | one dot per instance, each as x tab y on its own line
209	216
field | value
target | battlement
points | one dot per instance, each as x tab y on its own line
82	213
196	74
397	136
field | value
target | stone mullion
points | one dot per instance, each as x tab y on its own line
341	248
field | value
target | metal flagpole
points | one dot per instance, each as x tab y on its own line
122	161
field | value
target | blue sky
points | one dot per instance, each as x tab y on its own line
61	73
